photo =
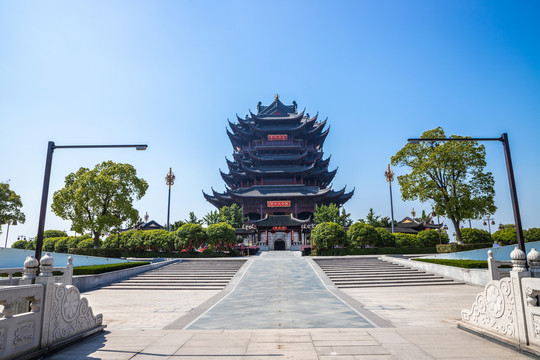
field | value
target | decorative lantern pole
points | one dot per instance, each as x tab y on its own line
169	180
488	220
389	174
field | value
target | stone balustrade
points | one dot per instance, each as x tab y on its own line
40	314
494	267
66	277
508	309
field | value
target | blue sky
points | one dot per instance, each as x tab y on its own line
170	73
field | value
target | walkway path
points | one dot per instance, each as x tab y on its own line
280	290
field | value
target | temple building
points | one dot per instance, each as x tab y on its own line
278	166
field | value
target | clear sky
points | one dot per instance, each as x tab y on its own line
170	73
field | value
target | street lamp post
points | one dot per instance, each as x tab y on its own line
389	174
47	177
169	180
509	170
489	221
14	222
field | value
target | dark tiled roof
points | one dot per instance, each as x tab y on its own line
279	191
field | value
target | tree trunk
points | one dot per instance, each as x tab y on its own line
459	239
96	240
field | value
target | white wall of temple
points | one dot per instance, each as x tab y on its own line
286	237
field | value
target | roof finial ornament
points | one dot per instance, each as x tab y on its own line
259	104
413	213
146	217
276	97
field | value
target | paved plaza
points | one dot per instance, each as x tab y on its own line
281	306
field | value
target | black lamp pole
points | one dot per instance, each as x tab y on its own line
169	180
46	180
509	170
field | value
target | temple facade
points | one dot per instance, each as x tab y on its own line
278	165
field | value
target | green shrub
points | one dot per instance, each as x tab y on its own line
61	245
374	251
220	236
31	245
190	236
505	236
454	247
49	244
110	253
475	236
54	234
19	244
430	238
387	239
362	235
468	264
99	269
86	244
407	240
326	235
532	234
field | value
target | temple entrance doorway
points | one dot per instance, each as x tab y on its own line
279	244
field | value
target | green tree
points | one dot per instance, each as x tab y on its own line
19	244
211	218
190	236
475	236
232	215
100	199
10	206
362	235
176	225
376	220
327	234
220	236
451	174
193	219
330	213
532	234
407	240
430	238
86	244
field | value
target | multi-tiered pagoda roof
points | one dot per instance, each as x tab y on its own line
278	166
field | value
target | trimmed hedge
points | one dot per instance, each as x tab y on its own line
102	252
100	269
467	264
454	247
373	251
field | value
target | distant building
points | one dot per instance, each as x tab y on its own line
413	225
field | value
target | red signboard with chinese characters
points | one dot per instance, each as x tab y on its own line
286	203
277	137
279	228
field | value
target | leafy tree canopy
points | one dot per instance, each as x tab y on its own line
191	236
221	235
361	234
193	219
331	213
376	220
100	199
211	218
232	215
532	234
451	174
53	233
474	236
10	206
176	225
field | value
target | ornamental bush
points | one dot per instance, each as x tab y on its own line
86	244
362	235
430	238
19	244
387	239
326	235
475	236
220	236
505	236
190	236
54	234
532	234
49	243
407	240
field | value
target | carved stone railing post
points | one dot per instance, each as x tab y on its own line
68	274
46	267
533	259
492	266
519	271
31	265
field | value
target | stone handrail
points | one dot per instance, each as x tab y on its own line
495	273
40	317
508	309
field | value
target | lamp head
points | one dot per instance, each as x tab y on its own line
413	141
141	147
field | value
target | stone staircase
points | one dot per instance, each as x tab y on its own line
192	274
372	272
